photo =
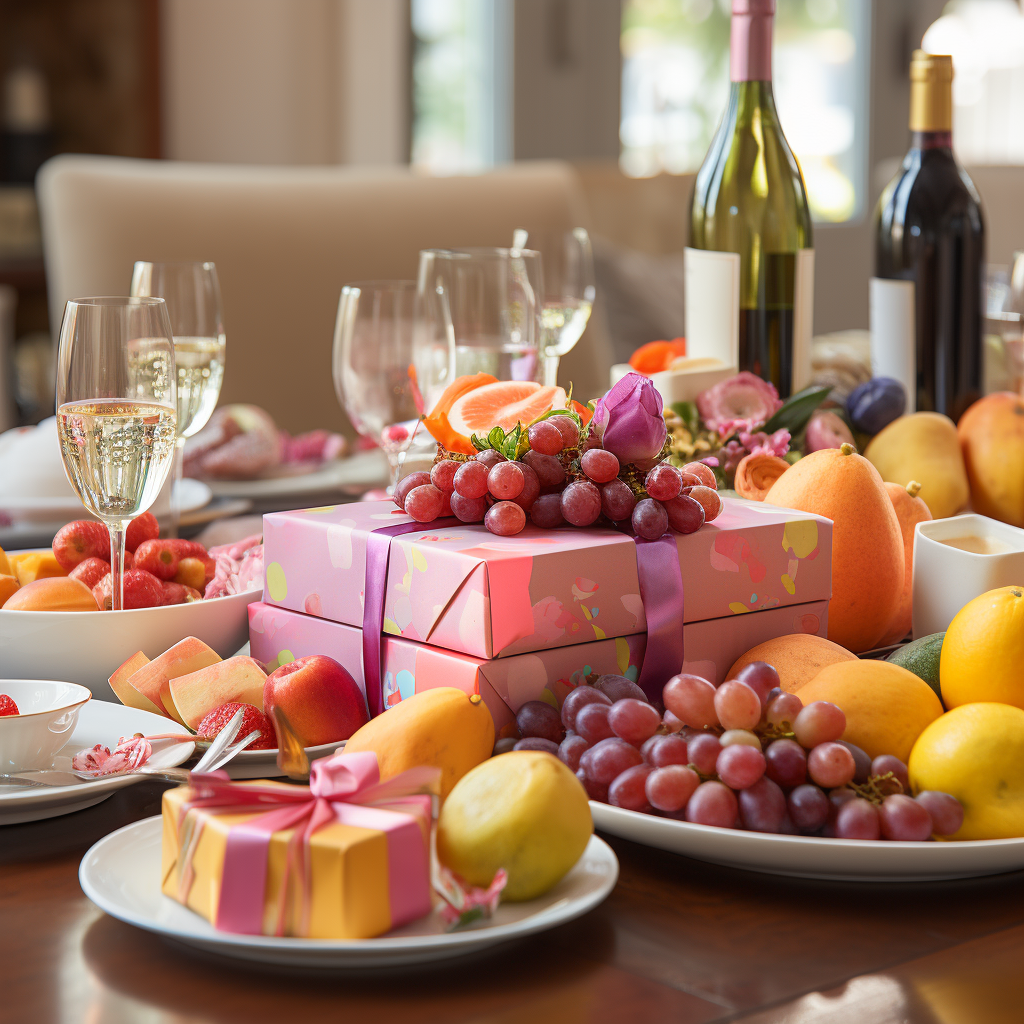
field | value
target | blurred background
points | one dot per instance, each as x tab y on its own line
629	92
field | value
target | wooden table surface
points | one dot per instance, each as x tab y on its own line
677	941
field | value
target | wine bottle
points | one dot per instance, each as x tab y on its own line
750	261
926	297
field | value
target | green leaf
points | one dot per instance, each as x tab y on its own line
479	443
496	437
797	410
687	412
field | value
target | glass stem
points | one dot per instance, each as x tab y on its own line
550	370
177	472
395	461
117	535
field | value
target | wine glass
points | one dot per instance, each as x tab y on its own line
192	293
116	410
374	375
568	298
477	311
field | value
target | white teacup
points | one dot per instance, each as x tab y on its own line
957	560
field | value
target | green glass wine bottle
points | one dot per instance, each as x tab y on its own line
750	260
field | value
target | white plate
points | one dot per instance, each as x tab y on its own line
262	764
121	875
194	495
854	860
363	469
98	722
86	647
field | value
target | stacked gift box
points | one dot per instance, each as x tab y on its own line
531	616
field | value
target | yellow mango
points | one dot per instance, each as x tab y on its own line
444	728
37	565
8	587
5	565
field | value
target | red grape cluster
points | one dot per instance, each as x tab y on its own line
742	755
502	492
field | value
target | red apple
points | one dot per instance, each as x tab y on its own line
322	701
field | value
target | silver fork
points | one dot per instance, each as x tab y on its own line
220	751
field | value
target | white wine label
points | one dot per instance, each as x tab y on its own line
803	319
713	304
893	346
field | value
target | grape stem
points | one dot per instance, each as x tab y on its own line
878	787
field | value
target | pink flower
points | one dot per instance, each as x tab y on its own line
826	430
629	421
740	404
768	444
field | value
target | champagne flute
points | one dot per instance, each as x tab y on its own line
569	298
116	412
192	293
373	365
477	311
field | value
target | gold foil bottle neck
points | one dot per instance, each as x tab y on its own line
931	92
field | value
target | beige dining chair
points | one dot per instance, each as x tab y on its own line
285	240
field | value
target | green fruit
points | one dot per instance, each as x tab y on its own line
922	658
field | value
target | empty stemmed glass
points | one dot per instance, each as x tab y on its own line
568	297
374	375
116	411
192	293
477	311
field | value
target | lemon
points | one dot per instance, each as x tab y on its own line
976	752
983	654
886	706
523	811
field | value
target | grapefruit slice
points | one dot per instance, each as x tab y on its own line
503	404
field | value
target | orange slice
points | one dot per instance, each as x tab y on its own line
503	404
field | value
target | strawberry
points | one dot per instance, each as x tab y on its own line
141	590
8	707
162	557
175	593
253	718
91	571
80	540
141	528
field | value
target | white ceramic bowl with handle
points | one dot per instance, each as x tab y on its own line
88	646
48	712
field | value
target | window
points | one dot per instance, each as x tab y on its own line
986	40
461	84
675	82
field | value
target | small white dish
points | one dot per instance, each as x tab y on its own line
849	860
359	470
121	875
680	385
87	646
98	722
946	576
192	496
48	711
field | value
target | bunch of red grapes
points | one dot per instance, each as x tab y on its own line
743	755
501	492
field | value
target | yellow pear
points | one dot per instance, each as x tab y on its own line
923	446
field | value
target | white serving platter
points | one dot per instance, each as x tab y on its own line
121	875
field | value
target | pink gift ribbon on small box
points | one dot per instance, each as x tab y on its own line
345	788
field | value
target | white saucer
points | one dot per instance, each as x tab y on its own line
852	860
361	469
98	722
121	875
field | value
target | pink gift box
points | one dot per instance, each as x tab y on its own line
462	588
277	636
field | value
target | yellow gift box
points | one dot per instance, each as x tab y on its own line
335	860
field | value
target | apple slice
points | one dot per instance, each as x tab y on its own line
126	693
235	680
153	680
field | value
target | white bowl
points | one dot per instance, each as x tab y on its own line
48	713
946	578
88	646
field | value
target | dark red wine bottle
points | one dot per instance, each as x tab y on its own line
930	231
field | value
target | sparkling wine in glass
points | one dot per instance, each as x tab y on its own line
116	410
374	375
569	296
192	293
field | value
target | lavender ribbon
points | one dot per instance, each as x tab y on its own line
661	590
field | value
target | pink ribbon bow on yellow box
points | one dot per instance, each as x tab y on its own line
347	856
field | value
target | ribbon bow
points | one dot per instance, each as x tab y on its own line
345	788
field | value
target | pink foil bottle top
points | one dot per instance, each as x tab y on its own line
750	51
